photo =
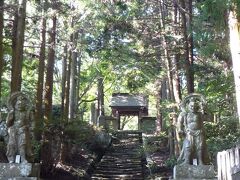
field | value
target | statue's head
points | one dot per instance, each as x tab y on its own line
21	103
193	105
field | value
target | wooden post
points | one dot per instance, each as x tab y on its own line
118	120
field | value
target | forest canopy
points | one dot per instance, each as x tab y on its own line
62	52
69	57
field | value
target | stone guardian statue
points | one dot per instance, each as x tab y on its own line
193	162
190	127
18	123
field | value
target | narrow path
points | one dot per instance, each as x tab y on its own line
124	160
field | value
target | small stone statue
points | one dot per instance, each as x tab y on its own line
190	126
18	122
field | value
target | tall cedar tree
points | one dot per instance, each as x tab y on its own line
17	45
1	44
234	29
188	63
41	67
49	75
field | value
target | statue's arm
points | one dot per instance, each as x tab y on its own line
180	123
10	118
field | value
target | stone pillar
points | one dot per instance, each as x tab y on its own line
193	172
22	171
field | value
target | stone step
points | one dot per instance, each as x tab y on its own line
103	168
136	165
123	176
118	172
19	178
108	162
123	160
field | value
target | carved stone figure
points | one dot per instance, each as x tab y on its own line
3	130
190	126
18	122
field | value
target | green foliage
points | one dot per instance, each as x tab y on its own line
171	162
154	143
214	11
36	145
218	90
222	135
79	132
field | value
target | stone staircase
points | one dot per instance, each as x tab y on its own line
124	160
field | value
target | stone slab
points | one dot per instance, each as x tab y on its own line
236	176
19	178
185	172
13	170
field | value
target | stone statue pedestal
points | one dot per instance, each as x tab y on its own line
22	171
193	172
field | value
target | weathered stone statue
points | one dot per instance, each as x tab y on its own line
3	130
193	160
190	125
18	122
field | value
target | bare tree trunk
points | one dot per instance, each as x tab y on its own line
39	98
187	63
78	84
1	45
46	147
67	87
159	121
175	80
175	59
234	27
49	75
73	78
17	46
168	65
100	97
64	80
191	45
93	114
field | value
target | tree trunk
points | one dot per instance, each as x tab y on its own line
93	117
17	46
49	75
73	78
67	87
175	58
191	46
1	45
166	48
39	98
159	121
187	62
46	147
175	80
100	97
78	85
64	81
234	27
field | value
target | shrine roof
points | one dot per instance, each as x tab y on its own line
128	100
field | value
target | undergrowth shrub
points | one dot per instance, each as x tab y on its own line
221	136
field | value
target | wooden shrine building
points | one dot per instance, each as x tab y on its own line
124	104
